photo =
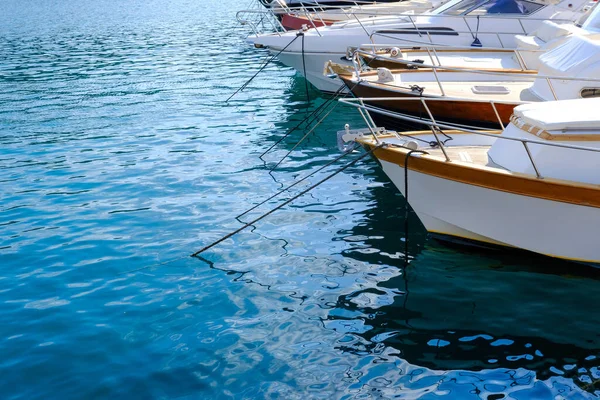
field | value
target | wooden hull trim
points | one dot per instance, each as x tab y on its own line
493	178
457	112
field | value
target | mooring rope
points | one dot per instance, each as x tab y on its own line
406	205
305	77
303	137
263	67
336	95
286	202
314	114
296	183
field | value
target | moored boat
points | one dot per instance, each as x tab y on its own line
490	23
293	18
533	185
569	71
525	56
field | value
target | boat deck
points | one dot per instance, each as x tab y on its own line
516	91
461	59
477	155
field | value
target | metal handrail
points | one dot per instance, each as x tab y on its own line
360	51
547	78
359	103
356	14
425	31
241	17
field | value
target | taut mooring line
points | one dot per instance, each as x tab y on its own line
406	205
264	66
286	202
337	94
160	264
304	137
295	183
305	77
314	114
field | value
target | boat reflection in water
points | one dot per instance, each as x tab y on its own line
490	322
454	322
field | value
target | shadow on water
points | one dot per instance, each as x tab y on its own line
300	116
462	308
453	307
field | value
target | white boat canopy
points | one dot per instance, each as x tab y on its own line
567	115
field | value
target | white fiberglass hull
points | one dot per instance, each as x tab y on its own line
548	227
334	49
314	63
330	43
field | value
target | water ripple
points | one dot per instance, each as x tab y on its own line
119	157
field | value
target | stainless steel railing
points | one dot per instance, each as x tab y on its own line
547	78
434	51
315	19
365	109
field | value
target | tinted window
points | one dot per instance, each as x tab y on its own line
521	7
485	7
463	7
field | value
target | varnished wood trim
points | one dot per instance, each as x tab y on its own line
471	112
544	134
420	70
493	178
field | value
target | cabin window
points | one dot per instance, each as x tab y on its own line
486	7
463	6
589	92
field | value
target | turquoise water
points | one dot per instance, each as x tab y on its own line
119	153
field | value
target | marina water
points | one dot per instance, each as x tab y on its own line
119	157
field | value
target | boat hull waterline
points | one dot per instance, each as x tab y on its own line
545	216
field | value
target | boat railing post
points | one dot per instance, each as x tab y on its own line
430	56
252	27
415	26
551	88
306	13
433	128
522	27
309	18
469	27
279	29
497	114
368	115
500	40
355	64
369	121
436	56
437	79
531	159
520	59
319	15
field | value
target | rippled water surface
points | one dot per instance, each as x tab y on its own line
119	157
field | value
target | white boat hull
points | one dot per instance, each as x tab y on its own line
548	227
315	63
331	43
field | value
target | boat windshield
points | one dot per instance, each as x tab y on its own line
485	7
